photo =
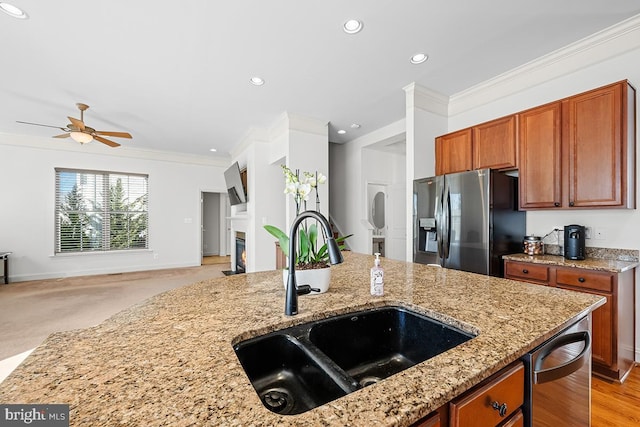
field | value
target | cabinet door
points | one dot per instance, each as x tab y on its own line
453	152
602	340
602	332
595	148
540	157
494	144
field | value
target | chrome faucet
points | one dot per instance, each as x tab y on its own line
335	257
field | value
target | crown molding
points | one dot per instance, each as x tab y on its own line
100	150
418	96
608	43
254	134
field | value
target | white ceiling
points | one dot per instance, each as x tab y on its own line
176	74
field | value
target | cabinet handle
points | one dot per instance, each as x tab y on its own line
581	279
570	203
556	204
525	271
502	409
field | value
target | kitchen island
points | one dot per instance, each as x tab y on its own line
170	360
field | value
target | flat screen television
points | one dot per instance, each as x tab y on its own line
235	189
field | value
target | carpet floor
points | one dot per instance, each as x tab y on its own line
31	311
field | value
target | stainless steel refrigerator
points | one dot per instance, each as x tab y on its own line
467	221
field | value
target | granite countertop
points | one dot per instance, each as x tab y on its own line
610	265
170	361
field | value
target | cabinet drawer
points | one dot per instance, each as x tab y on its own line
585	279
527	271
517	420
476	408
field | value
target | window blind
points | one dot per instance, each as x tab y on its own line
100	211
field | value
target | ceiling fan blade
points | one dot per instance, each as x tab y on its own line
38	124
116	134
64	135
77	123
106	141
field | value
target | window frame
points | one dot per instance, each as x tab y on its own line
96	223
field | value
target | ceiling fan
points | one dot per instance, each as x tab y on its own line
82	133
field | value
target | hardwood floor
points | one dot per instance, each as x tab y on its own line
215	259
616	405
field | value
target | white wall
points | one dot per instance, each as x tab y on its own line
28	195
352	167
296	141
387	169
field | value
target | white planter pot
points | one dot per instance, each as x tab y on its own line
318	278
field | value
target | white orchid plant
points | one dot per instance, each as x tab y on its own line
300	186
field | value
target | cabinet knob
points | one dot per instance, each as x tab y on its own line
525	271
502	409
581	279
556	204
570	203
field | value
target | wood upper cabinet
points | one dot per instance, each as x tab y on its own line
488	145
494	144
453	152
579	152
595	148
540	176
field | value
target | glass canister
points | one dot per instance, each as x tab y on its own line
533	245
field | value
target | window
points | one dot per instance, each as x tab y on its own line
101	211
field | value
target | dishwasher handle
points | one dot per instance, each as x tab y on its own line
541	376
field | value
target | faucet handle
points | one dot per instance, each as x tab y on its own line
305	289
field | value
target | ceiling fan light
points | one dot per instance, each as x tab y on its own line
12	10
81	137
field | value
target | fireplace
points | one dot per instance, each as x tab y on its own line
241	254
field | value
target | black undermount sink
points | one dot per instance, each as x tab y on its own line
299	368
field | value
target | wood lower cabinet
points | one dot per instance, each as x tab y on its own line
492	402
432	420
495	401
613	336
579	152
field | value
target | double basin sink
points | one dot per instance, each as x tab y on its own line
302	367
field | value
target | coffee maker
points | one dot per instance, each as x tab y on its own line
574	241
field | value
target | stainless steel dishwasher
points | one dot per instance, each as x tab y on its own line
558	379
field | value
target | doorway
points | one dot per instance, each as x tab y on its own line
215	228
385	213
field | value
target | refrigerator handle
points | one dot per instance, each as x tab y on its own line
565	369
439	227
446	203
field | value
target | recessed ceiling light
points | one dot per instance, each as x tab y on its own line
257	81
352	26
14	11
419	58
213	150
342	131
355	126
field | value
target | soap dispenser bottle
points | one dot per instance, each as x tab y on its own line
377	277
